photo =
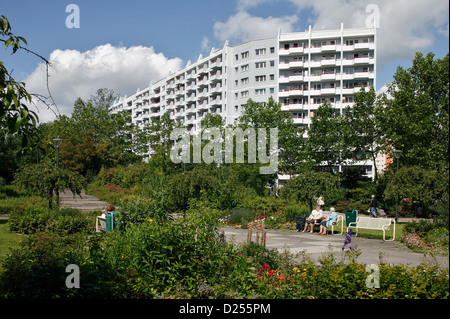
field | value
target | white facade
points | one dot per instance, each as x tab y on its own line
300	70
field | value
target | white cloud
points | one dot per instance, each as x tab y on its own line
242	27
405	26
76	74
206	44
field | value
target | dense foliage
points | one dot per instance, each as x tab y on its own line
189	258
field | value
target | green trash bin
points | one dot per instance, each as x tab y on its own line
111	221
350	216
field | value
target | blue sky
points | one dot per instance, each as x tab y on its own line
124	45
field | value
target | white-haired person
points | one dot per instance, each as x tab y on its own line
332	217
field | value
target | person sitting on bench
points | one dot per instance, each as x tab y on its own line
332	217
314	218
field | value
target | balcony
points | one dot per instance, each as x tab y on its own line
328	61
190	109
216	89
202	94
294	77
202	69
292	106
190	97
290	92
217	101
217	63
202	105
299	120
191	75
215	76
329	47
190	120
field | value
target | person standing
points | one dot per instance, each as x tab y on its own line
373	206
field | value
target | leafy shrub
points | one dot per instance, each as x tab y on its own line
37	269
37	219
137	210
292	212
346	204
241	216
420	227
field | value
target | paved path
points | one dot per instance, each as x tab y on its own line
85	203
315	246
312	245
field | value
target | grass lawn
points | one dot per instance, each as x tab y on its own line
7	240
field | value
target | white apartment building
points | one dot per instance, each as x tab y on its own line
300	70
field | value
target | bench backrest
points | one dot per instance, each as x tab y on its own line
376	223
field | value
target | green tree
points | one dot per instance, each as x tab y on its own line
47	181
158	137
306	187
416	116
15	116
362	126
291	149
326	138
92	136
422	186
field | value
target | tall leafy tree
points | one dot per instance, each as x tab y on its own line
292	154
362	126
158	137
416	117
326	138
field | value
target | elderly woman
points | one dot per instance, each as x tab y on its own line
316	215
332	217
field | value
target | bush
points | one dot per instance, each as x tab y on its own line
189	259
37	219
343	205
241	216
292	212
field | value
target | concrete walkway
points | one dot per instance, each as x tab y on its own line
315	246
83	203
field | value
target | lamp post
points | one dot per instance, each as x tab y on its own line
397	156
57	142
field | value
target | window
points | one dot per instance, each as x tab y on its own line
272	50
260	78
260	51
260	65
244	81
244	55
244	94
272	77
260	91
272	90
236	57
272	63
244	68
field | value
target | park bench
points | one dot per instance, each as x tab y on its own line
100	224
382	224
339	218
